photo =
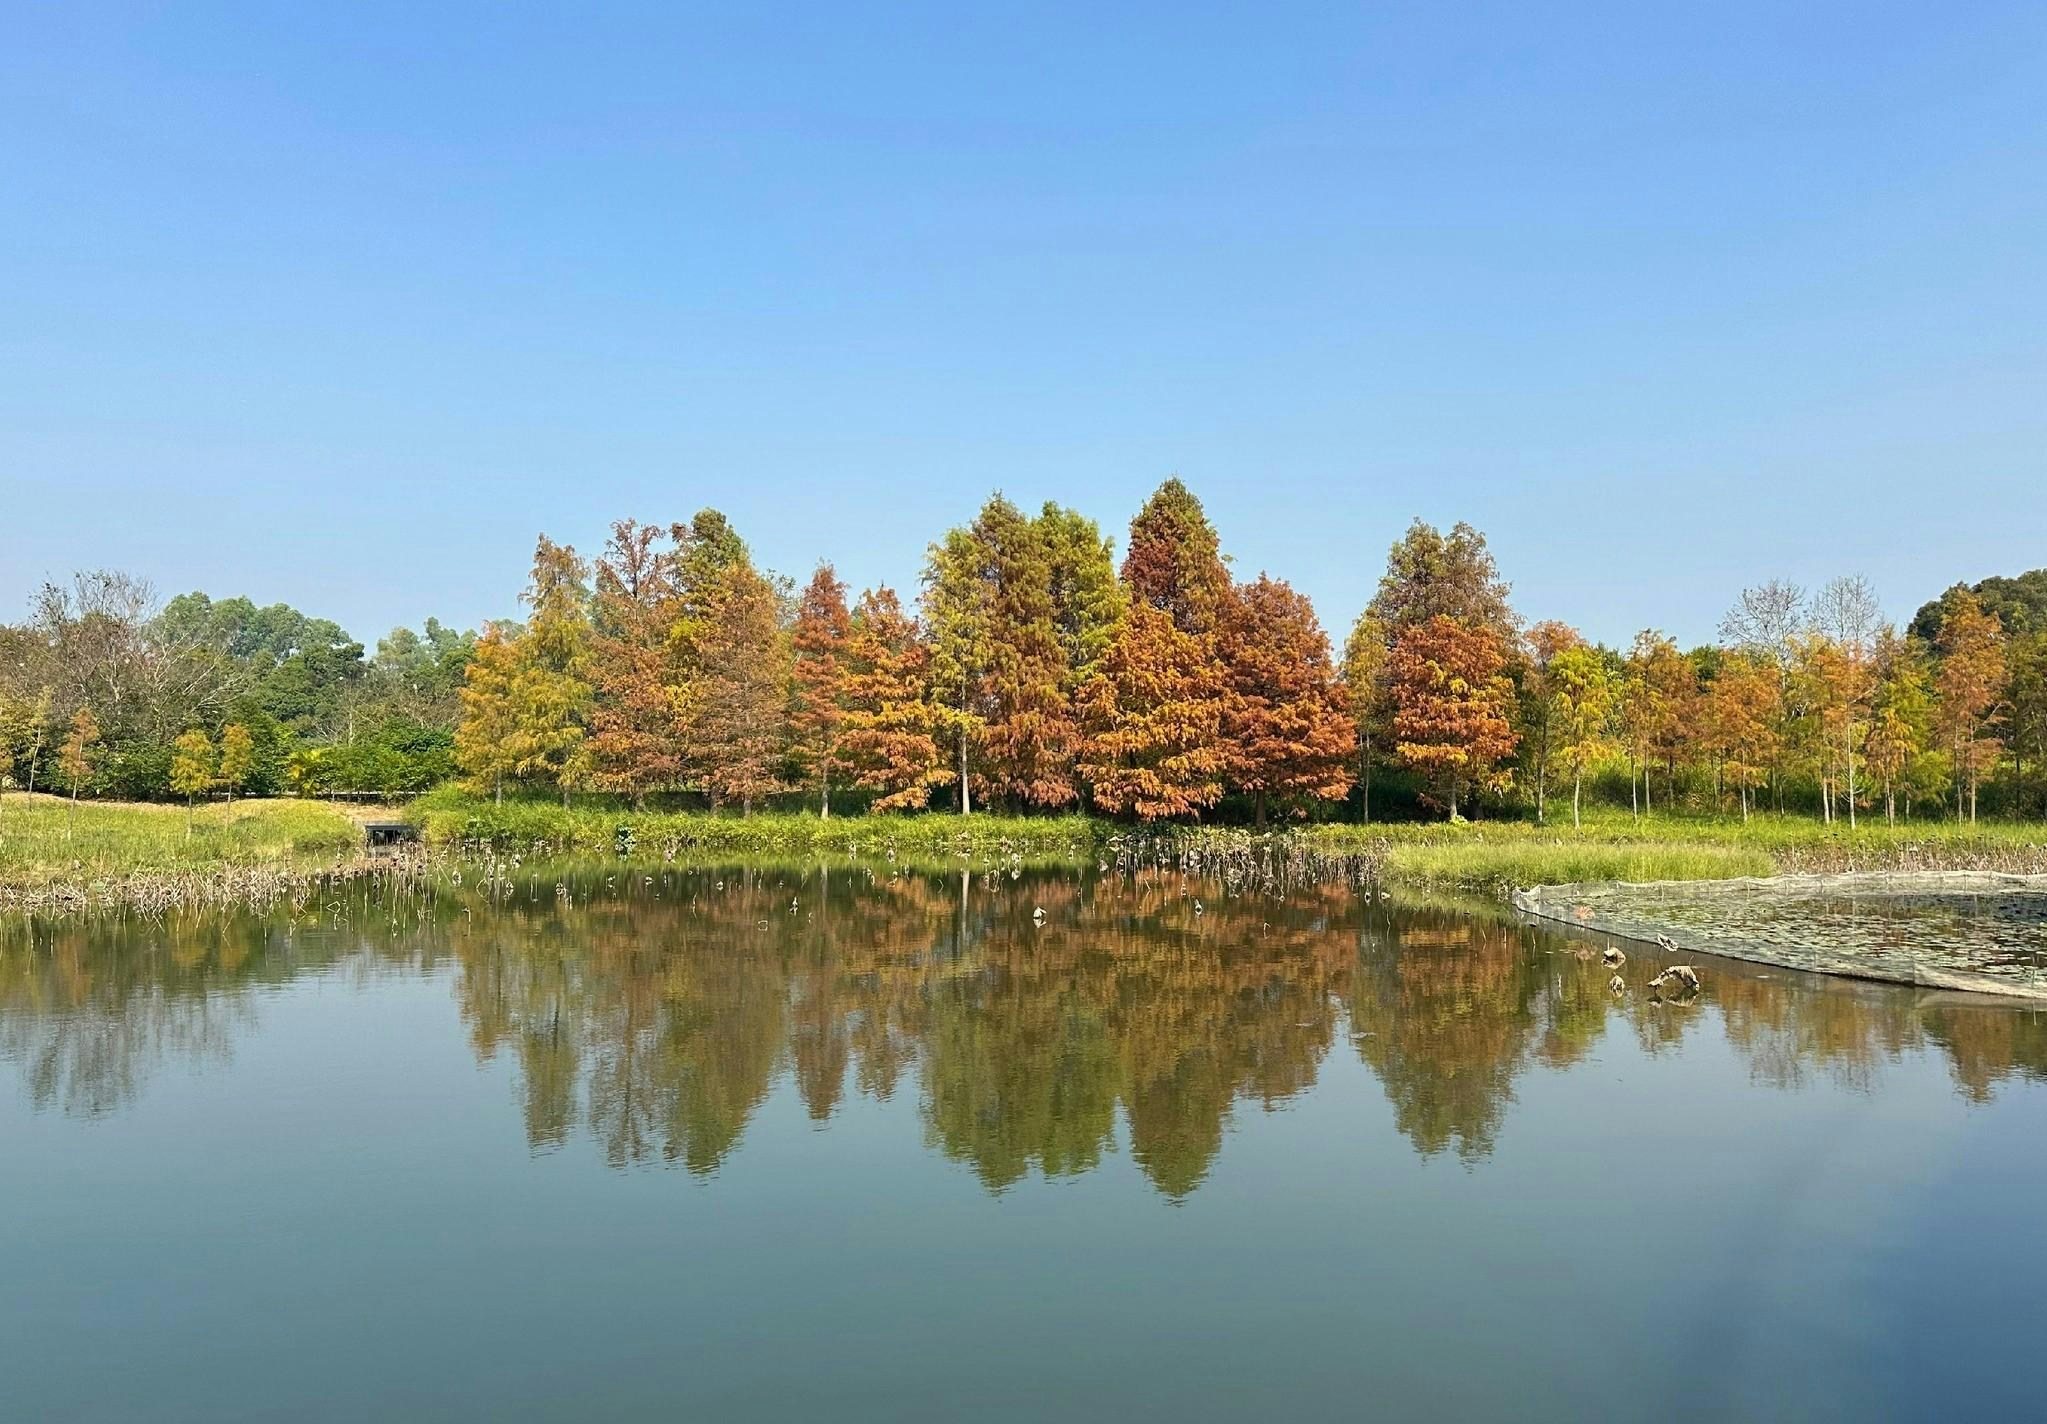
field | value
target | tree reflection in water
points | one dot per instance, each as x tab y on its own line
653	1015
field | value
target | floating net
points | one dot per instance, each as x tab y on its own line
1972	930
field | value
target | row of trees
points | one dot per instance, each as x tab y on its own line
1034	673
106	691
1032	676
1814	693
1031	671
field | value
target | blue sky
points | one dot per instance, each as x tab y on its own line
340	305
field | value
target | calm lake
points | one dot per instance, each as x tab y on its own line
802	1144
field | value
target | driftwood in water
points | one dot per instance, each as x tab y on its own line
1680	976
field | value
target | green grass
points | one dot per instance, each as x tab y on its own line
41	845
452	819
1484	855
1613	845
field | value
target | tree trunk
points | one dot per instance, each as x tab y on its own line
824	800
966	799
1261	808
1851	786
1577	791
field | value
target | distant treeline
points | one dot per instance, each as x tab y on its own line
105	693
1032	672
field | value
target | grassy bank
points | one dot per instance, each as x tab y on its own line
1499	855
108	852
1484	855
451	819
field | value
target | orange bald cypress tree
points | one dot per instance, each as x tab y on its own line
1285	719
738	704
816	712
1175	562
635	731
890	730
1451	704
1970	680
1153	721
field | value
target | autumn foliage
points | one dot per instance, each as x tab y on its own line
1286	720
1452	706
1034	675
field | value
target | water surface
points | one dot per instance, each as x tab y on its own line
859	1144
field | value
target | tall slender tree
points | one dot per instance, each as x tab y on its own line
1742	720
956	620
484	736
1087	599
551	687
1579	689
1366	653
1971	677
635	730
1029	737
75	758
1539	703
195	762
817	704
237	757
1901	714
737	731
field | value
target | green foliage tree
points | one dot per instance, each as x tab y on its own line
1365	655
957	621
1027	735
237	757
1579	691
195	764
1430	574
1087	598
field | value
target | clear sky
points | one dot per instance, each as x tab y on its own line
341	304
